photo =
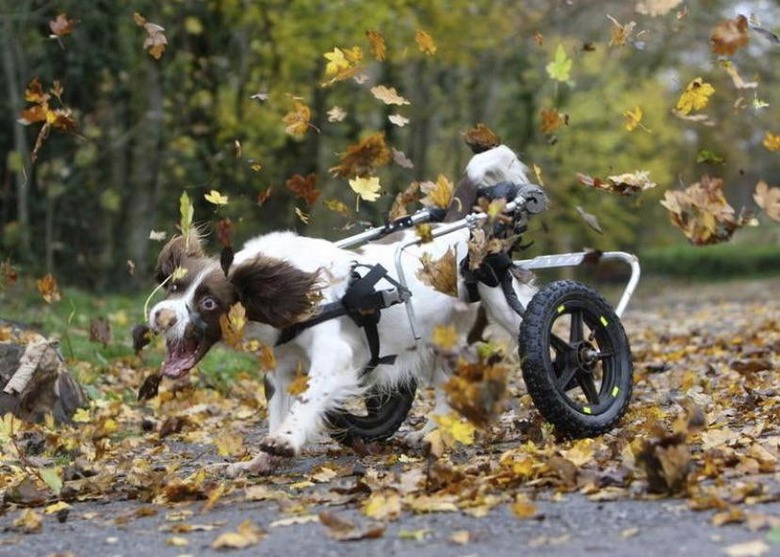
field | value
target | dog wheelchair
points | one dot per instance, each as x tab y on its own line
575	356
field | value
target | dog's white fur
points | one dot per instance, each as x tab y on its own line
334	352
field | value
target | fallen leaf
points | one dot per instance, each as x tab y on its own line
246	535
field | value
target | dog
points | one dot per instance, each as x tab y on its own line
282	280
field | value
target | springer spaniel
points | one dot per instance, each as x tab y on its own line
282	279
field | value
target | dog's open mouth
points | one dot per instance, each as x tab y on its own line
183	355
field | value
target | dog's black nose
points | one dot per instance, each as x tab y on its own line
164	319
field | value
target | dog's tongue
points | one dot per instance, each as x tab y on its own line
181	357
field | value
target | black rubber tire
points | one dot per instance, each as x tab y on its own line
385	412
582	385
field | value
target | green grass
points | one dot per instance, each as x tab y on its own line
718	262
69	321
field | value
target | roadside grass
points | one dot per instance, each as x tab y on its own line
68	320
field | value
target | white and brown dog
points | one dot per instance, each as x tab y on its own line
281	279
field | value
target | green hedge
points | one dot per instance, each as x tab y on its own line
712	262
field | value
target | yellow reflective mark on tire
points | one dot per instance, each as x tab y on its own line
603	320
615	390
561	308
587	410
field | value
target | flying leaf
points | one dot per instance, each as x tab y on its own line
589	219
342	64
361	159
186	212
655	8
772	141
441	274
454	427
232	324
401	159
768	199
62	25
388	95
377	41
481	138
155	40
304	187
303	217
337	206
702	212
100	330
437	194
445	337
41	111
620	33
366	188
425	42
216	198
552	120
696	96
633	118
398	120
739	83
264	195
297	120
730	35
560	68
624	184
47	286
336	114
705	155
410	195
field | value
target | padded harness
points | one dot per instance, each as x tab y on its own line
363	303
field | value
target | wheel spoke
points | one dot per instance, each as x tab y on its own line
565	378
576	332
588	386
558	344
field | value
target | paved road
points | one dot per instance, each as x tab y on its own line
564	525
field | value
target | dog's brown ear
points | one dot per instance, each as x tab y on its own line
275	292
178	248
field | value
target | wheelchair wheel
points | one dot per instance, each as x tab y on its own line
576	359
376	418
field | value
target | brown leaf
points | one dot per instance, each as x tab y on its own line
150	387
730	35
440	274
304	187
410	195
297	120
361	159
142	335
481	138
48	288
100	330
344	530
666	460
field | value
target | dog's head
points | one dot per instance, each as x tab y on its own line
199	293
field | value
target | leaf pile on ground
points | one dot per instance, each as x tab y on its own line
703	427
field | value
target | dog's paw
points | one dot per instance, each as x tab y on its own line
277	445
416	439
262	465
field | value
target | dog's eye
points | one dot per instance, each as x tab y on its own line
208	304
173	287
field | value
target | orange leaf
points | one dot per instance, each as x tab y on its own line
297	121
304	188
377	44
47	286
425	43
361	159
730	35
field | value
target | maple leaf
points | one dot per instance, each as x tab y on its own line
297	121
560	68
695	97
369	153
441	274
551	120
437	194
772	141
425	42
366	188
377	41
337	62
702	212
768	199
481	138
336	114
62	25
633	118
304	188
232	324
730	35
410	195
47	286
216	198
342	64
155	40
620	33
41	111
388	95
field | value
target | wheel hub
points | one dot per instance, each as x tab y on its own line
587	356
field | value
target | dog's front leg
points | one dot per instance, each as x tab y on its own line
332	379
277	388
442	406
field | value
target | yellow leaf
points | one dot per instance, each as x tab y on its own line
772	141
620	33
377	41
336	62
366	188
247	534
186	212
82	416
303	217
28	522
633	118
457	429
54	508
382	506
230	444
441	274
177	541
337	206
438	194
48	288
297	120
298	385
425	43
445	337
216	198
523	508
696	96
232	324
